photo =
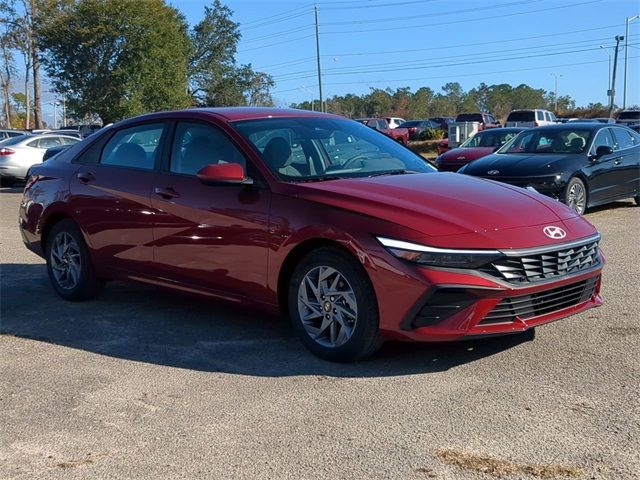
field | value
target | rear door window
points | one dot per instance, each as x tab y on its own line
134	147
540	115
623	139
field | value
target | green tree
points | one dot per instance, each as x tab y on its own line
118	58
214	77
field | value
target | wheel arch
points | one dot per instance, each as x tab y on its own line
49	223
294	257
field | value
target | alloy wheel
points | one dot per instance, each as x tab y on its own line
65	261
327	306
577	198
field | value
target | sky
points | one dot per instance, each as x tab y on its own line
415	43
368	44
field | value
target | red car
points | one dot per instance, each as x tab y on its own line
352	235
481	144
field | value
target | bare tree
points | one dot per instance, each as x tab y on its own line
6	73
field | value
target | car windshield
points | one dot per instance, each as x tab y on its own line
566	140
490	138
14	140
316	149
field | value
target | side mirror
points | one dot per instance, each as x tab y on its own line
603	150
232	173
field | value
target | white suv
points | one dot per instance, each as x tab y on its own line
395	122
530	118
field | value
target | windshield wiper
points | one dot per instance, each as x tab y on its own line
318	179
392	172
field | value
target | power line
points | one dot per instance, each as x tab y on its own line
433	14
389	52
268	19
275	35
412	65
539	67
452	22
274	44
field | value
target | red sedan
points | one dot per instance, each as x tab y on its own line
480	145
352	235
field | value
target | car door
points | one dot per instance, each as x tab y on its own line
111	196
210	236
627	165
600	171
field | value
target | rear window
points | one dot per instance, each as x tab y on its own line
469	117
412	123
14	140
520	117
633	115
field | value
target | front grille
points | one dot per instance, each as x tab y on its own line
536	304
525	268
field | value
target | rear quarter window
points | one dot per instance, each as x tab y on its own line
520	117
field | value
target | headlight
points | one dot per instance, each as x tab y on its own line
439	257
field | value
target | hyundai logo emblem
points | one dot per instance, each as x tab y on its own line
493	172
554	232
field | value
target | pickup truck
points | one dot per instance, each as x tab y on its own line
398	134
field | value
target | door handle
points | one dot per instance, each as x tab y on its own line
166	193
86	177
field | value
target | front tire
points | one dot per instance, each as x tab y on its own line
576	195
69	264
333	307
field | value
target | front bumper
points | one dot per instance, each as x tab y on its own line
431	305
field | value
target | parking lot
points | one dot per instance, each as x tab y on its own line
144	384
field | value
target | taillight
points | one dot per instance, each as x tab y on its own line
30	181
6	151
412	129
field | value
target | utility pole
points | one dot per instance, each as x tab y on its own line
613	75
626	56
609	75
555	92
315	9
64	111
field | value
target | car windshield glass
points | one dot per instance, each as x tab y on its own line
491	138
567	140
14	140
315	149
633	115
469	117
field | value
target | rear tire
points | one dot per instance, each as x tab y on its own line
333	307
576	195
69	264
7	181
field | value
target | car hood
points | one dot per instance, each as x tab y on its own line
437	204
519	164
467	154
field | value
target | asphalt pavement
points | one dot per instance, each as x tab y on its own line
142	384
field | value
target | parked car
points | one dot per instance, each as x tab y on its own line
398	134
394	122
486	120
580	164
530	118
258	207
481	144
19	154
50	152
628	117
598	120
8	133
416	127
70	132
443	122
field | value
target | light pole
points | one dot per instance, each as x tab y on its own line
55	113
555	92
619	38
609	76
626	56
310	93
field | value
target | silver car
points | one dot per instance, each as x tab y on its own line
19	154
